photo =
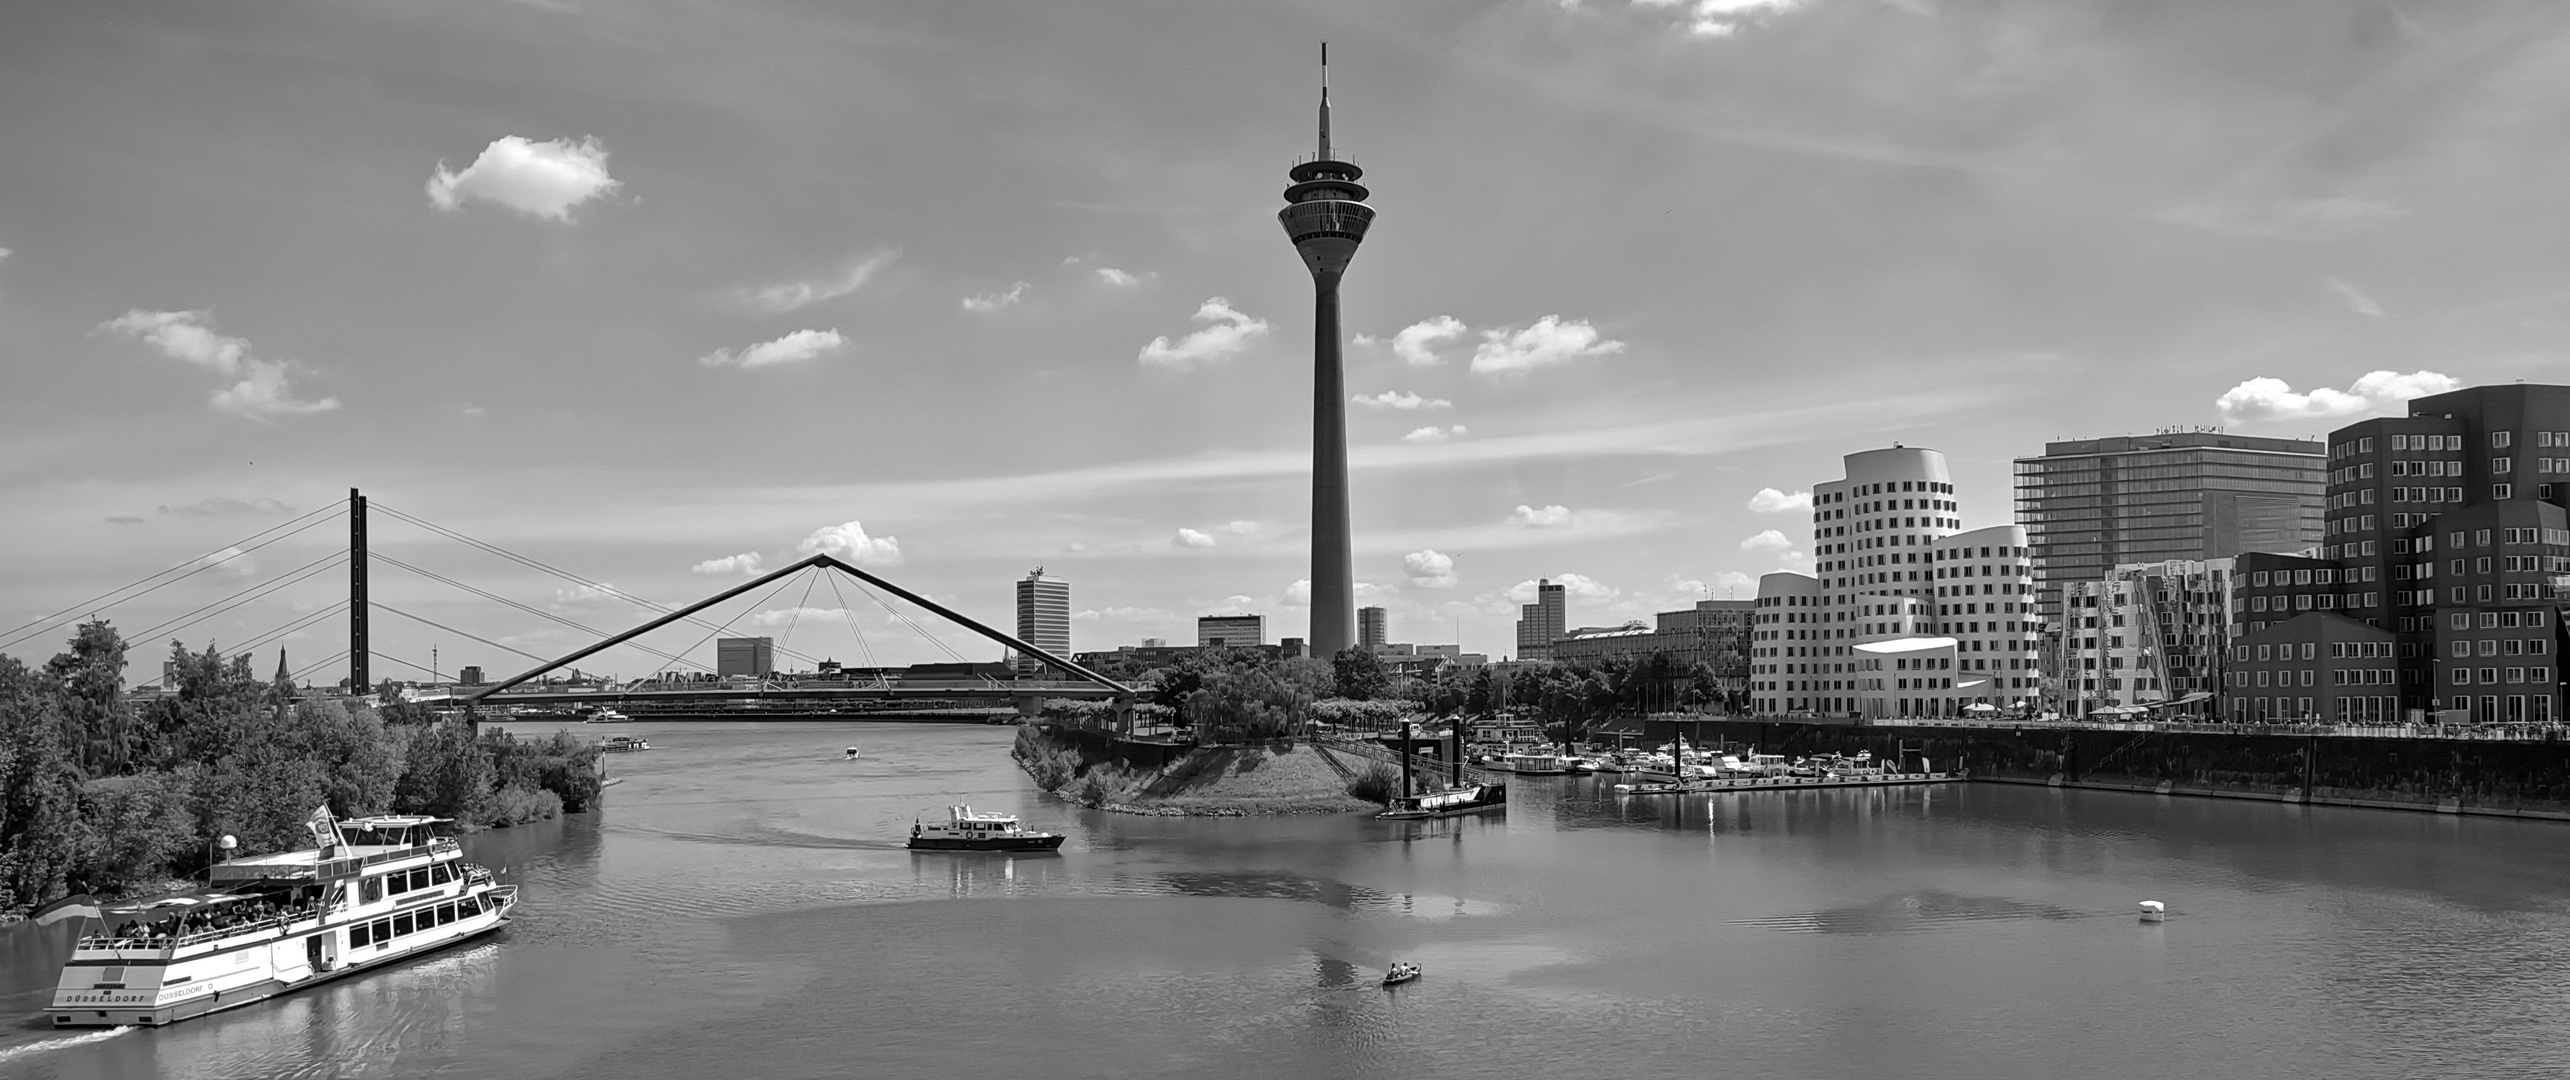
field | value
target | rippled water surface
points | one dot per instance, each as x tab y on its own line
744	908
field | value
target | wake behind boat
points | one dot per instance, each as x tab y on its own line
375	891
966	830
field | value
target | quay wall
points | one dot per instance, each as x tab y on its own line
2454	776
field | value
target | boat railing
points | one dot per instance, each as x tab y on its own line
358	864
172	942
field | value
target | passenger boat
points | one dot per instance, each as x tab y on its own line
606	715
1403	971
1539	764
621	744
1468	799
375	891
965	830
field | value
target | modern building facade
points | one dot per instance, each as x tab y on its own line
1231	631
2146	635
2091	505
2320	667
1370	625
1326	215
1043	618
744	657
1540	622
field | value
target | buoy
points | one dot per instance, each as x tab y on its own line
2154	911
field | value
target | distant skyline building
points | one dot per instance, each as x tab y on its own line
1326	215
2090	505
1231	631
1370	634
471	675
744	657
1539	623
1043	617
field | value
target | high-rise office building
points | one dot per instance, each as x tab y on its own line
2091	505
1231	631
1370	634
471	676
1907	614
1043	617
1540	622
752	657
1326	215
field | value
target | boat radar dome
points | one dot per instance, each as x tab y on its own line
2154	911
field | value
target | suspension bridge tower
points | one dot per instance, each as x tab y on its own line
1326	215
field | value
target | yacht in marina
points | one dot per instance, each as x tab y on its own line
373	891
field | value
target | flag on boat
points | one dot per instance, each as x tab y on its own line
325	829
75	906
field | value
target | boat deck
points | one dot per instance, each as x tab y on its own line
1788	783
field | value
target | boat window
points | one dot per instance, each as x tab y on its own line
468	907
371	890
361	935
437	875
402	924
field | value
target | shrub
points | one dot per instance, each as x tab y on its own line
1378	783
1050	766
517	805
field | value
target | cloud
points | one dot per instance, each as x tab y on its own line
222	507
2265	399
1117	278
849	541
1770	540
1733	579
1549	341
1429	569
1433	433
265	389
1237	528
1574	587
545	179
779	618
995	301
1400	399
2357	302
124	519
1719	18
4	254
745	564
1298	594
792	348
788	296
1125	614
1550	517
1227	332
2291	219
1416	344
1191	538
1772	501
231	561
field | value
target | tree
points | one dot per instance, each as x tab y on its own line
1484	694
1360	675
1251	703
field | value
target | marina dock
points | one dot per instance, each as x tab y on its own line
1787	783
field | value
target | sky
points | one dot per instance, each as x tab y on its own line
669	294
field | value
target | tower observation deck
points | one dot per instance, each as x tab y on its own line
1326	215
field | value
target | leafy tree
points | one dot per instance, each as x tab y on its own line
1359	674
1483	695
1251	703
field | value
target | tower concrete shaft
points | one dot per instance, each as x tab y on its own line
1326	215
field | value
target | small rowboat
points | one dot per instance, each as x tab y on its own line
1401	972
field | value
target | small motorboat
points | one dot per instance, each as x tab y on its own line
965	830
1401	972
2154	911
852	754
624	744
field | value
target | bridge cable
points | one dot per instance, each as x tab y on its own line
863	648
539	565
452	630
254	592
317	665
528	608
727	623
796	616
398	660
914	626
50	622
263	639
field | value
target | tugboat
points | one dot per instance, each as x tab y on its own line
1402	971
966	830
374	891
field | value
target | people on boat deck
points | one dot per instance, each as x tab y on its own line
220	917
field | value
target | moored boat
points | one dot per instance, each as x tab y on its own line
1468	799
968	830
606	715
1544	763
624	744
376	890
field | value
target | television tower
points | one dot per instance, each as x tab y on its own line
1326	215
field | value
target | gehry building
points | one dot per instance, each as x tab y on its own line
1906	614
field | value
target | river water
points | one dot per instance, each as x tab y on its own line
743	907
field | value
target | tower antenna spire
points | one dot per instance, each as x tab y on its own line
1325	101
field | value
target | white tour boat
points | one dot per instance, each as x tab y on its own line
965	830
622	744
375	891
606	715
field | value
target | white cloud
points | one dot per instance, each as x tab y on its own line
1298	594
545	179
1733	579
219	506
1721	18
1433	433
2377	393
2357	302
1227	332
1574	587
1117	278
1416	343
848	540
231	561
2291	219
745	564
4	254
581	594
1770	540
1772	501
1528	517
1429	569
1400	399
792	348
996	301
1237	528
779	618
1549	341
265	389
788	296
1191	538
1122	614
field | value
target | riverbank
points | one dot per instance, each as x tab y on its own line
1255	779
